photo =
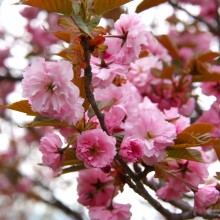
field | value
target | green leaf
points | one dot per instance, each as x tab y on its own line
102	6
60	6
81	24
44	121
146	4
93	23
21	106
188	154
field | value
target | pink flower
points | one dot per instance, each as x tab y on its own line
204	197
30	12
140	71
49	89
117	212
50	147
132	149
156	49
96	148
180	122
133	32
95	188
211	88
190	172
150	126
114	117
104	73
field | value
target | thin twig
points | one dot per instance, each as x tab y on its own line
198	18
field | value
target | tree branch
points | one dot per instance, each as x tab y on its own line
198	18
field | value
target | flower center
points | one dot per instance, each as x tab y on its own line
50	87
149	135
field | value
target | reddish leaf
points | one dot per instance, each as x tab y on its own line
103	6
165	73
199	128
43	121
146	4
60	6
65	36
21	106
188	154
209	56
200	73
167	43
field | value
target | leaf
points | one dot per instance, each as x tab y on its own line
73	168
146	4
65	36
102	6
200	73
166	73
44	121
93	23
216	146
21	106
197	134
188	154
208	56
101	106
199	128
81	24
60	6
168	44
159	171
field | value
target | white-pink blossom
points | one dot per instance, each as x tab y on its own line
51	148
95	188
132	149
116	212
204	197
95	148
49	89
133	35
150	126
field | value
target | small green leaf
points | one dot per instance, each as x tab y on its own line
44	121
102	6
188	154
81	24
93	23
21	106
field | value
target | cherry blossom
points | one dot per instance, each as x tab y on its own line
132	32
204	197
95	148
95	188
116	212
51	148
132	149
49	89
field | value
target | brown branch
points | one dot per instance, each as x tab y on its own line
88	83
198	18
